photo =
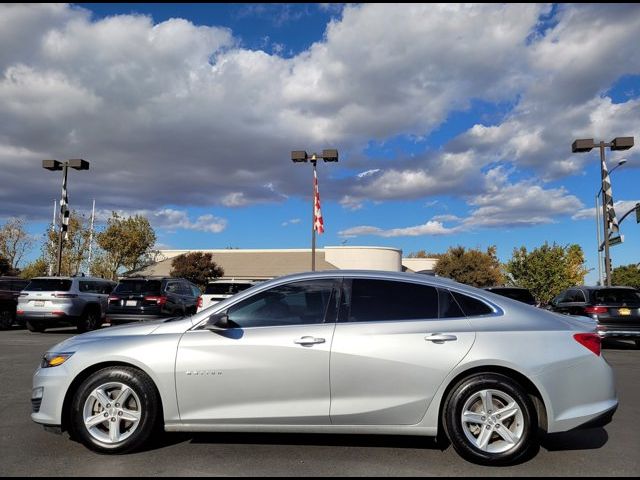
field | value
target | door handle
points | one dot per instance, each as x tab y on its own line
440	338
308	341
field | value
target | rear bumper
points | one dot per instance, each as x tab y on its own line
600	420
619	333
46	316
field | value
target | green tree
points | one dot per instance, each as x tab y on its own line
627	275
547	270
424	254
15	242
37	268
127	243
197	267
472	267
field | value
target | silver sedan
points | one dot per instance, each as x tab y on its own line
336	352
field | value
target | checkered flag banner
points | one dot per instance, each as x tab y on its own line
318	223
607	198
64	209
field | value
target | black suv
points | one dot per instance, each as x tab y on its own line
517	293
10	288
152	298
616	309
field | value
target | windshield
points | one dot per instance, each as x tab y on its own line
141	287
225	288
48	285
616	295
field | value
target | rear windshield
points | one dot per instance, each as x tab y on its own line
517	294
48	285
145	287
225	288
616	295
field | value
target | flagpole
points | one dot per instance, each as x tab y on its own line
93	214
313	216
53	229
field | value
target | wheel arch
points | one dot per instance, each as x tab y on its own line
86	373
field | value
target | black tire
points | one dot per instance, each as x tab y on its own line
637	343
34	326
523	426
90	320
6	319
144	401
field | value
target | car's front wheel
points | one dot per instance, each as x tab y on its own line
490	419
115	410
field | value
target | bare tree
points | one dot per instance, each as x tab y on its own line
15	242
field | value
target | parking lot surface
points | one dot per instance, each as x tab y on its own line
27	450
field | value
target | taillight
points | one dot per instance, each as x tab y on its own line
159	300
592	341
65	295
595	310
114	298
199	302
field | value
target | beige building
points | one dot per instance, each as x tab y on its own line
264	264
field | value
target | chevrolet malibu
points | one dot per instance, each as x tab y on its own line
336	352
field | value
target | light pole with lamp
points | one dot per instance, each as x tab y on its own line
600	279
53	165
586	145
300	156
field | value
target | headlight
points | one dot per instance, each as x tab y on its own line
54	359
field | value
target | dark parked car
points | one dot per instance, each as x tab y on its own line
616	309
152	298
10	288
517	293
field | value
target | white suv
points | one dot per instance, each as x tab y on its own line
54	301
218	290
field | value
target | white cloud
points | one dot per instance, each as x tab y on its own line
179	114
429	228
621	207
169	219
293	221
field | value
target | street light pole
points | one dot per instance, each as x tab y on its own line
605	217
586	145
621	162
53	165
300	156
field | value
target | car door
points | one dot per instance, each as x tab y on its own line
272	367
391	351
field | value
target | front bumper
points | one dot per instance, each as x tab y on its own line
54	383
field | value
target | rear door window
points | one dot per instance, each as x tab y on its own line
375	300
49	285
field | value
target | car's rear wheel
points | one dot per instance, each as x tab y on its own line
490	419
34	326
89	321
115	410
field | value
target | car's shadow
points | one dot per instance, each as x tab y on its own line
586	439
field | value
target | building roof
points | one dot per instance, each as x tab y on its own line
251	264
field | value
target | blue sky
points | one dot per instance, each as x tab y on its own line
454	122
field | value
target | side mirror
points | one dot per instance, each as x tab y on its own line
218	322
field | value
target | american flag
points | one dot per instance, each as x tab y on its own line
64	209
607	198
318	223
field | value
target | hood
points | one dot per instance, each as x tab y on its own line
129	330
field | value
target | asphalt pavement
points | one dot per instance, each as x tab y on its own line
27	450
